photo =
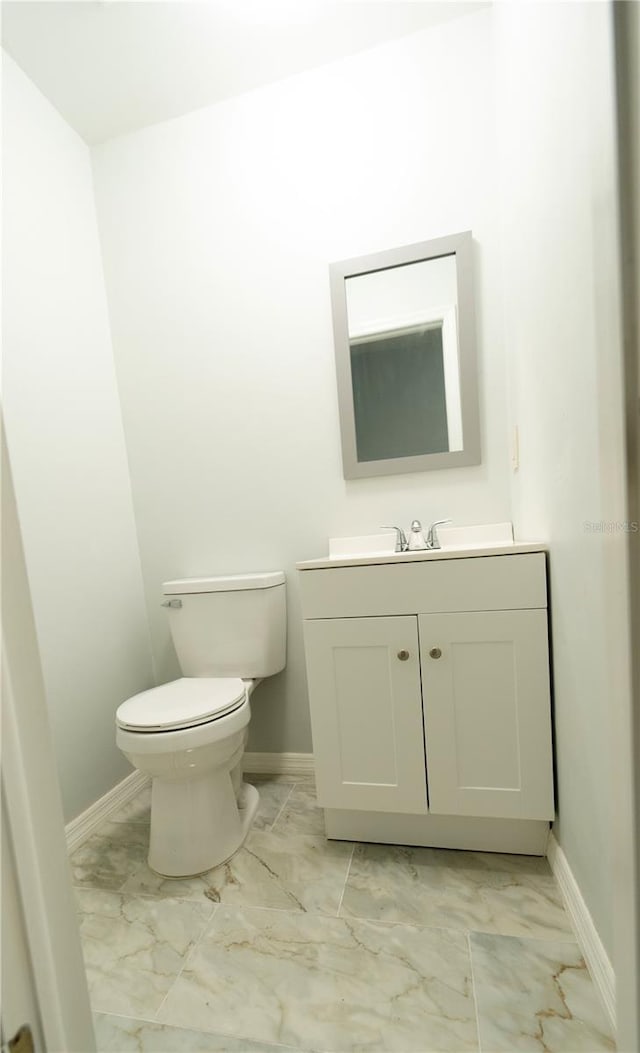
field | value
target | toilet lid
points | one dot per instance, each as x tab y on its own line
182	703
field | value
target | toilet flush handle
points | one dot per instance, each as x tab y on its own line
172	603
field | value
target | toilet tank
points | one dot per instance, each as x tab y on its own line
228	626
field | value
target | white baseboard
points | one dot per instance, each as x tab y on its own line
279	763
590	943
80	828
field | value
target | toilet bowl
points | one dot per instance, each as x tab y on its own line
189	735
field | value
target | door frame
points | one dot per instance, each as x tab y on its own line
33	809
626	713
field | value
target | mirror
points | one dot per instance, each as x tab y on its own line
404	333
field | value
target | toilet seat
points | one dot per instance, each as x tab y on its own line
184	703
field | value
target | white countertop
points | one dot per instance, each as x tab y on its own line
419	557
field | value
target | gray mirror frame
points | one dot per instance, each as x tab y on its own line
459	245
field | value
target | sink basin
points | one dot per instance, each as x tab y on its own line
453	537
383	544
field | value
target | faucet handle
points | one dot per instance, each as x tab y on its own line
432	540
401	538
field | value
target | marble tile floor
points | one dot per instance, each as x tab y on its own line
316	946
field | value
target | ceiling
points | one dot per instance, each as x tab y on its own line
112	67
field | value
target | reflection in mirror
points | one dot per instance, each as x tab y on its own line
403	346
406	382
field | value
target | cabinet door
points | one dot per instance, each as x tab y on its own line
366	713
487	714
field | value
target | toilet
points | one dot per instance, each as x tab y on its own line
189	735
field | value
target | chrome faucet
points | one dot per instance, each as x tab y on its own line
432	537
401	538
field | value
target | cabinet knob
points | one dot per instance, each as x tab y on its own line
435	652
403	655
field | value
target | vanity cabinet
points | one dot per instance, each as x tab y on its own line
487	713
429	690
366	702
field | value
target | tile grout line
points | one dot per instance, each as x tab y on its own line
199	1031
283	806
138	894
352	920
123	1016
473	991
180	1027
188	955
344	887
561	937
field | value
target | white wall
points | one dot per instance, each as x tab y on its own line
217	230
562	341
65	439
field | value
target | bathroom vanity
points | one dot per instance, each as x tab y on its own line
428	679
